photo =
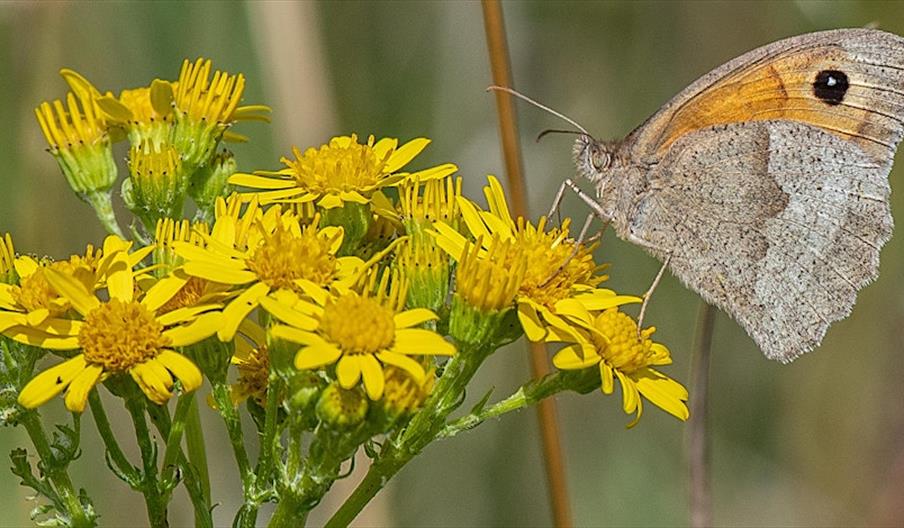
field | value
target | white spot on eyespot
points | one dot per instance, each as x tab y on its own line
831	81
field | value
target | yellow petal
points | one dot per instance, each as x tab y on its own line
295	335
348	371
191	252
288	314
434	173
181	367
113	109
471	216
530	322
218	272
25	266
405	153
414	317
384	148
161	95
316	356
120	282
154	380
260	182
330	201
43	387
601	301
417	341
412	367
73	290
77	395
572	358
11	319
164	290
496	200
352	196
180	315
607	378
35	337
253	331
629	392
200	329
449	240
372	372
239	308
36	317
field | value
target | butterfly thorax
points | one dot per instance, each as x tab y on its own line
618	181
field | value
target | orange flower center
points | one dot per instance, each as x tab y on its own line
119	335
358	324
284	257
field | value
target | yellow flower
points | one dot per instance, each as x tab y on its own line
156	185
7	259
422	203
204	110
169	231
403	394
619	352
124	334
361	333
341	171
33	300
145	114
78	139
548	292
252	360
264	252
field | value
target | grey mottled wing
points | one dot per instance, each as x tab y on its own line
777	223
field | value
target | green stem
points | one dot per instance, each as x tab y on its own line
197	452
125	468
290	512
160	416
527	394
153	500
58	475
424	427
236	437
103	207
174	440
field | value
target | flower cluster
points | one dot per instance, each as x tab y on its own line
343	301
173	129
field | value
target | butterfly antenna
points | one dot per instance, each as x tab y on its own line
538	105
541	135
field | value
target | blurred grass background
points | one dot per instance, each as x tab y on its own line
819	442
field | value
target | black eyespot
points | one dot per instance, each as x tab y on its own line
830	86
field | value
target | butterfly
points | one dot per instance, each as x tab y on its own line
763	186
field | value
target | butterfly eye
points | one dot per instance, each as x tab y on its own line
599	158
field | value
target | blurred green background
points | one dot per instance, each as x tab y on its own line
819	442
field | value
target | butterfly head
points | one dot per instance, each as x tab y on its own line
592	157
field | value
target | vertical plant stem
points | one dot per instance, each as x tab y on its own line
156	506
236	437
174	438
106	433
508	128
197	452
697	430
58	476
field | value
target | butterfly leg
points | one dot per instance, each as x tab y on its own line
554	209
649	293
589	200
577	245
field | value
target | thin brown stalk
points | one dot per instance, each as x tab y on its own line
508	129
697	429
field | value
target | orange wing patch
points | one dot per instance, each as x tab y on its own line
854	96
